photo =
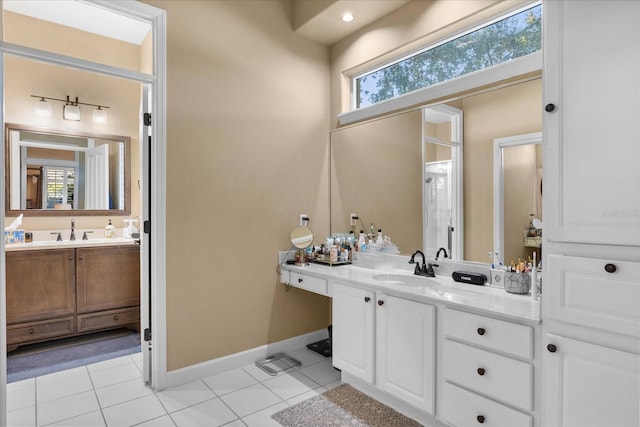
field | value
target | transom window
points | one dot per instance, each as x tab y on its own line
512	36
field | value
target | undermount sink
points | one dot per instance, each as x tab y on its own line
405	279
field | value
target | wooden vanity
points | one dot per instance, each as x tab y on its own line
67	291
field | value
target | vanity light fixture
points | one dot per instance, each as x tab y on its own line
347	17
71	109
42	108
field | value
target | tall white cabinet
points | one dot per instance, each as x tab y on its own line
591	270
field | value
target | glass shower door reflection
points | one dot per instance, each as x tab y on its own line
437	206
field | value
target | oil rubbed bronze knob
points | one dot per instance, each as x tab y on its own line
380	302
31	331
480	419
552	348
481	331
610	268
367	299
115	317
549	108
481	371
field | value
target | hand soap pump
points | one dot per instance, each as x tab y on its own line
109	230
129	229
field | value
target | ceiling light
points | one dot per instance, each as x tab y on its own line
42	108
347	17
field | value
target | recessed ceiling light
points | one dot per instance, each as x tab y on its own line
347	17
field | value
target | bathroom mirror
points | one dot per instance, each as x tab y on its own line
376	167
58	173
301	237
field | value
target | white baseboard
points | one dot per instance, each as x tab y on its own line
237	360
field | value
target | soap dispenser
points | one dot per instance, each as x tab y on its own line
109	230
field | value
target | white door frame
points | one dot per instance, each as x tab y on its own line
157	81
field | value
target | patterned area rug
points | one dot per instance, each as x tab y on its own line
45	358
342	406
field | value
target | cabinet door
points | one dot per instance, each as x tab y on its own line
352	339
586	385
591	69
108	278
40	285
405	350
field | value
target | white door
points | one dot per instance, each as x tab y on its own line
405	350
96	179
587	385
352	335
591	91
145	241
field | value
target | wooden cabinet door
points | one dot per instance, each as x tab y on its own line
405	350
353	329
40	285
107	278
591	88
587	385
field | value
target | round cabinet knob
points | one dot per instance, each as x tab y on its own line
115	317
380	302
31	331
481	331
299	279
480	419
367	299
549	108
610	268
481	371
552	348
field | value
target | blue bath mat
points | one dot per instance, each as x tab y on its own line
40	359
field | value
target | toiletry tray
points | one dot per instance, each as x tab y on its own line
329	263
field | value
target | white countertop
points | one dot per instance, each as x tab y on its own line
67	244
442	289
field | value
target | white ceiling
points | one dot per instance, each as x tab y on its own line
83	16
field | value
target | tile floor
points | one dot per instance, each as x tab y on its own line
112	393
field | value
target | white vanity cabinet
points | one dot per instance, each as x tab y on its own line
591	87
487	370
307	282
386	341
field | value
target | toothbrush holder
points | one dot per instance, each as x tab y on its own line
517	283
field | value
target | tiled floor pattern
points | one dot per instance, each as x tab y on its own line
112	393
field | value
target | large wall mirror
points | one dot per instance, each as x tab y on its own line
378	169
50	173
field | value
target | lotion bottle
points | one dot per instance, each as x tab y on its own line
109	230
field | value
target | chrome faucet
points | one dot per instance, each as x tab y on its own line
442	250
73	230
424	270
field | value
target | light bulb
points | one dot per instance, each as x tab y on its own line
99	115
42	108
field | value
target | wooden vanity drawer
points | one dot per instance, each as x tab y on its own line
496	334
108	319
40	331
496	376
309	283
465	408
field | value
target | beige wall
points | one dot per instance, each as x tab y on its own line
247	152
23	77
506	112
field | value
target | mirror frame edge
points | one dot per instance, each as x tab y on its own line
75	212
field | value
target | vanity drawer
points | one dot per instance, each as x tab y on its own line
500	377
309	283
108	319
496	334
39	331
464	408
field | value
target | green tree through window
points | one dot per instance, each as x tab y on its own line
512	37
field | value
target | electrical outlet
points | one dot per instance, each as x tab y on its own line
304	220
353	218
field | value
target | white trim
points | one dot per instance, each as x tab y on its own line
238	360
3	295
498	182
488	76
